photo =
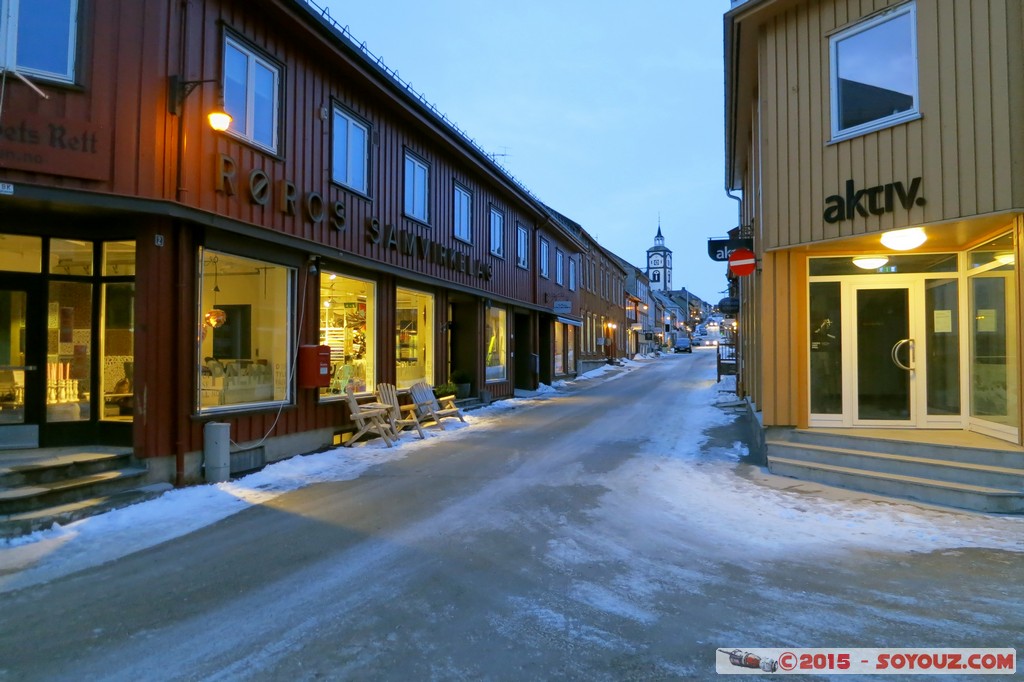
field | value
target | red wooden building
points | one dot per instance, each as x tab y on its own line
156	274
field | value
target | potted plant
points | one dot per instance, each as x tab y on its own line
442	390
462	380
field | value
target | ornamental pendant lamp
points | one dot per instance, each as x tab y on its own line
215	317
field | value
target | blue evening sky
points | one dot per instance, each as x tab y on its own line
610	112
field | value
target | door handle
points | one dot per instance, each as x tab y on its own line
895	354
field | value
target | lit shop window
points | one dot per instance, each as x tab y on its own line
414	335
495	336
347	314
559	348
245	315
874	73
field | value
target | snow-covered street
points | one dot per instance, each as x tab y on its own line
610	528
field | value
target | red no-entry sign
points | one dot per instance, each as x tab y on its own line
742	262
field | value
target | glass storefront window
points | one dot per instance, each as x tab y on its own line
559	348
119	259
21	254
117	370
70	257
414	334
68	351
245	315
496	363
570	350
826	349
13	314
347	325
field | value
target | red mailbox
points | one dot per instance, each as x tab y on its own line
314	366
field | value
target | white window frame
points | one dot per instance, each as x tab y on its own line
559	274
11	9
886	121
522	246
463	214
244	126
497	233
350	160
543	258
417	204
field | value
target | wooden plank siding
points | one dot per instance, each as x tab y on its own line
965	154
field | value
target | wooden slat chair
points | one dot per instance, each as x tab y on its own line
429	406
369	418
400	416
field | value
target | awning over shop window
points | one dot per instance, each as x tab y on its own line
566	320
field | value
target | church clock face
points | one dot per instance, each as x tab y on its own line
655	261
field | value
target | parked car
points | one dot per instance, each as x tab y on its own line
683	345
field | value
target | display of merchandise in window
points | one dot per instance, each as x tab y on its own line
347	308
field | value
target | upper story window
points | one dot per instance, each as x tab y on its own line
874	73
542	260
251	89
559	276
522	247
497	232
572	274
417	177
43	40
350	152
463	211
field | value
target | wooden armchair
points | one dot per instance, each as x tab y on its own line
371	418
400	416
429	406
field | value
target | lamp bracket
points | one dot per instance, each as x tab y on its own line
178	90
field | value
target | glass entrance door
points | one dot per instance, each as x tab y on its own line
20	361
885	355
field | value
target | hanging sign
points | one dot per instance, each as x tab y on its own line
719	249
742	262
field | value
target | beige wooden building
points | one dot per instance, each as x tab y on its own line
851	124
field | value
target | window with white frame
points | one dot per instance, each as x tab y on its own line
522	247
350	152
874	73
251	87
463	211
417	176
39	38
559	277
543	259
572	274
497	232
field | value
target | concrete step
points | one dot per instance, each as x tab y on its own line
44	494
23	523
960	495
55	467
985	475
1001	456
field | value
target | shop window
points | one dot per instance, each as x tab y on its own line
71	257
874	73
496	363
570	349
347	324
68	351
119	259
522	247
417	177
43	39
414	335
543	259
20	254
350	153
245	314
463	213
251	85
497	232
117	366
559	349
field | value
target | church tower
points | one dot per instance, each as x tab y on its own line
659	264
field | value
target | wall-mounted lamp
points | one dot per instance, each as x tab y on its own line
178	90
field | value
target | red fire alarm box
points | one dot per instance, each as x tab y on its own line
314	366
